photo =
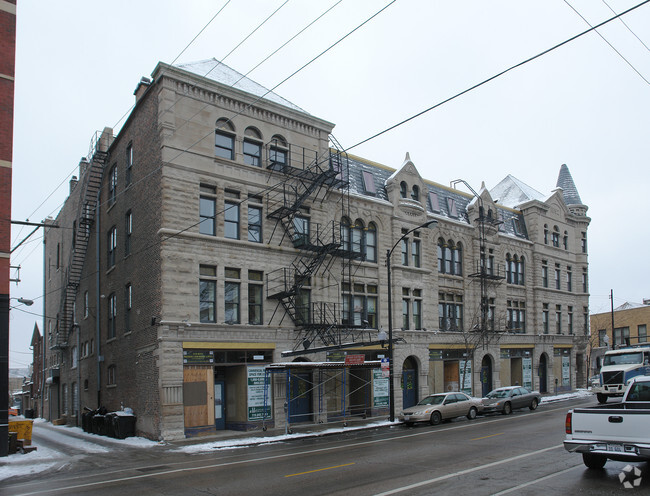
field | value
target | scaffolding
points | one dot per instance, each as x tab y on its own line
338	384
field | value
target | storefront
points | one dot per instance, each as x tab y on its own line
451	369
223	386
517	366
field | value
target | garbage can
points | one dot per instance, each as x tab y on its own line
23	430
123	424
87	421
29	413
98	424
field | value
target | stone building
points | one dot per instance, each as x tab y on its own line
219	257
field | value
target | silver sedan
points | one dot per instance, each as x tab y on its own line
437	407
506	399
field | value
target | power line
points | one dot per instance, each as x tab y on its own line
610	45
628	27
485	81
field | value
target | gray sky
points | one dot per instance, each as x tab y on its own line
78	63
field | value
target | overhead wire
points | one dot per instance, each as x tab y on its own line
628	27
607	41
499	74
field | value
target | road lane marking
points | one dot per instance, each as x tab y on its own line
272	457
485	437
541	479
320	469
466	471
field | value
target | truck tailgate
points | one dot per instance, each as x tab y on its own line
611	424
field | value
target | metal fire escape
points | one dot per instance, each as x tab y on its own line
90	181
308	178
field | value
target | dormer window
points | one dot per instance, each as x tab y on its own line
368	183
433	200
415	193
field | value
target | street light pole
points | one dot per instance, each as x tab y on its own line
391	384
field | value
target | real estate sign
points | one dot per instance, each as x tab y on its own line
256	408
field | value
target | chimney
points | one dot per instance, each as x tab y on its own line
83	166
73	183
140	90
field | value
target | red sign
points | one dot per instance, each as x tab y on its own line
355	359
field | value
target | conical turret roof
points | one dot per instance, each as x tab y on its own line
569	190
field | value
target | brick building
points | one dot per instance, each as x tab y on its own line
7	72
223	236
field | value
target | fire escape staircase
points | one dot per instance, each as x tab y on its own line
91	182
318	246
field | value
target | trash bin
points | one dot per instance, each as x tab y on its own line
87	421
23	430
123	424
29	413
99	424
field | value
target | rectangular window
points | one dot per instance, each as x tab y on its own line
231	220
406	321
129	163
415	252
207	210
254	224
584	281
111	379
516	316
303	306
450	312
112	246
569	279
224	145
642	333
231	297
405	252
252	153
622	336
360	308
128	293
558	278
569	322
112	185
583	242
602	334
128	230
417	309
301	231
369	182
207	293
85	304
585	316
545	318
255	292
371	243
112	315
558	319
278	158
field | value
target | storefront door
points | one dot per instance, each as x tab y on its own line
219	405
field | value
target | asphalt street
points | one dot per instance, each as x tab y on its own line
492	455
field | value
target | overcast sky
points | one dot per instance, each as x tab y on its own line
78	63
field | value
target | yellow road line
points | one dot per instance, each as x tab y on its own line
485	437
320	469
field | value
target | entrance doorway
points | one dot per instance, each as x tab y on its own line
452	378
409	383
516	372
300	408
543	373
486	375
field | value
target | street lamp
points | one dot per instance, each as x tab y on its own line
391	385
24	301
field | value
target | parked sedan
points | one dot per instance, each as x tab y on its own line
437	407
506	399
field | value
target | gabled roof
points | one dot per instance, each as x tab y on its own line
217	71
511	192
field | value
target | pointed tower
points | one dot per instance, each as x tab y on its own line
570	192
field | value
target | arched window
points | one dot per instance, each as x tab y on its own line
371	242
252	147
520	272
458	260
224	141
566	240
545	234
449	257
345	233
415	193
402	189
556	237
356	236
509	269
441	255
278	152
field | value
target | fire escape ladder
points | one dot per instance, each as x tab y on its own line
90	181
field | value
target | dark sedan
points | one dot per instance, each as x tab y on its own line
510	398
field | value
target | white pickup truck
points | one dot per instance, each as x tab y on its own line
618	431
